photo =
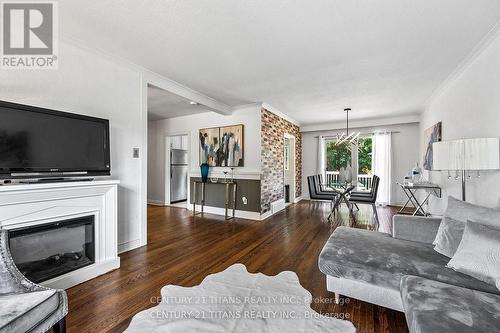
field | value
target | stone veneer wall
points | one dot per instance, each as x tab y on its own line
272	142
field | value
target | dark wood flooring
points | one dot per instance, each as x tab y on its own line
182	250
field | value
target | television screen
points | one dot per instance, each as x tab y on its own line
47	141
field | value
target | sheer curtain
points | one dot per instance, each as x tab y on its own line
382	165
320	170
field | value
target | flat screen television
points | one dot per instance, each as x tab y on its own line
39	143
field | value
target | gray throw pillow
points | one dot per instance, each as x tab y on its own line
452	226
478	254
448	236
464	211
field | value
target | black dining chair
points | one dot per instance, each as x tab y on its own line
375	178
369	198
320	187
314	191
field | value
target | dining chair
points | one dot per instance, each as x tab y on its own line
369	198
316	195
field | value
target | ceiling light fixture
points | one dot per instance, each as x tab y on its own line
346	137
193	103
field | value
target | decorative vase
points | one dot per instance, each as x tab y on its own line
416	173
342	175
204	172
348	174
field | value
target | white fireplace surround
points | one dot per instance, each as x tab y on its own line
24	205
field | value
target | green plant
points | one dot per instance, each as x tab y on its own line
338	156
365	156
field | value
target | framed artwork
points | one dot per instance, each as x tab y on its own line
209	146
431	135
222	146
232	146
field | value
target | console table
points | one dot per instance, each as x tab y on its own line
411	190
227	189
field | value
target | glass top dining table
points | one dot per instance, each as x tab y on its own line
343	189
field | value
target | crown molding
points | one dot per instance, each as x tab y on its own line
476	51
280	114
360	123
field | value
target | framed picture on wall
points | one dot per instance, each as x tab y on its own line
431	135
209	146
222	146
232	146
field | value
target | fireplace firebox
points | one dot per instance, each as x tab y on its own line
45	251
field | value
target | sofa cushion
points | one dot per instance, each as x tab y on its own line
478	254
448	237
22	312
464	211
378	259
432	306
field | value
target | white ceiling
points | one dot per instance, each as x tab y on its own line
163	104
309	59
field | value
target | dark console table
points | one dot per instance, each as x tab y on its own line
228	186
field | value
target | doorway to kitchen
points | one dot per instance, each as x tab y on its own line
176	170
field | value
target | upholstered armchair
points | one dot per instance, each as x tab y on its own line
24	305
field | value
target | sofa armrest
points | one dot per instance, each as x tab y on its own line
415	228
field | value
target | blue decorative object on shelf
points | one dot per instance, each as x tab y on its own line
204	172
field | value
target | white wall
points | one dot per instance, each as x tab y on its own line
469	107
156	181
248	115
404	154
89	84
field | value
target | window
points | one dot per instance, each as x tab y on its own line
364	158
357	154
338	156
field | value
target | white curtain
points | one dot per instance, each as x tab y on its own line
382	165
320	170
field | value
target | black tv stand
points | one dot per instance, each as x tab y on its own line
55	180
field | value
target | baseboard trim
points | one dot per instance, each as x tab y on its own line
156	202
267	215
298	199
130	245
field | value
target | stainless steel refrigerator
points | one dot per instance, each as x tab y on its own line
178	175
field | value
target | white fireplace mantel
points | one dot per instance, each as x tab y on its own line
25	205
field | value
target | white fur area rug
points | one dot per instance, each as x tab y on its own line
235	300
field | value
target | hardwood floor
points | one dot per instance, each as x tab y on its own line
182	250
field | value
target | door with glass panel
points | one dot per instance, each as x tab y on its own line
356	154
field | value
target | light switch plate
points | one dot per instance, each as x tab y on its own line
135	152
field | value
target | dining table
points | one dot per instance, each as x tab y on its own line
342	191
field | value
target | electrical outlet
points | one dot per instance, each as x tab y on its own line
245	200
135	152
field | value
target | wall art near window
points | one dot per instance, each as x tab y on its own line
222	146
209	146
431	135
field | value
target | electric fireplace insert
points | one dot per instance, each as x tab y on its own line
45	251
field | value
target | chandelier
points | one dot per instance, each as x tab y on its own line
347	137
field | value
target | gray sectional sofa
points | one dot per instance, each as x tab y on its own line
403	272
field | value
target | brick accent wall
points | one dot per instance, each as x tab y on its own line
272	143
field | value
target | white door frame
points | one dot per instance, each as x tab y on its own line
292	165
166	163
147	77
